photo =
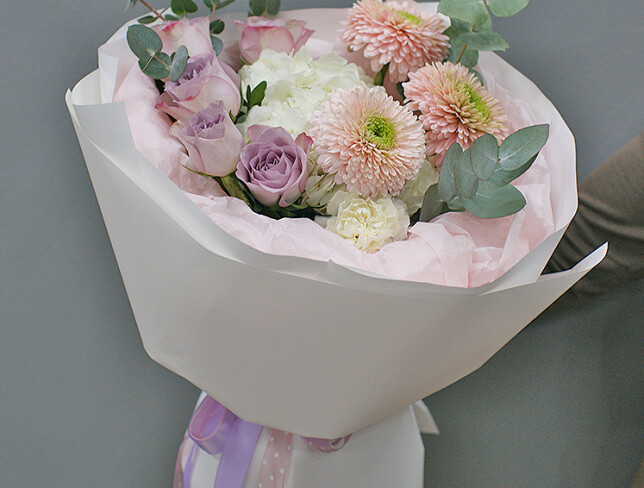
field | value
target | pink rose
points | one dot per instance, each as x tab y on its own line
206	80
194	34
212	140
281	35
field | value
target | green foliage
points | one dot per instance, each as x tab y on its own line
264	8
506	8
217	44
471	27
148	19
478	179
178	64
217	26
183	7
253	97
471	11
146	45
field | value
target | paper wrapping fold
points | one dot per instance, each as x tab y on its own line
305	346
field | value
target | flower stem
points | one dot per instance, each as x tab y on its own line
462	52
159	16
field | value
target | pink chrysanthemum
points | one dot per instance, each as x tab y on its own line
368	140
454	106
398	33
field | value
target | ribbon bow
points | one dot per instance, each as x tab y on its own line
218	431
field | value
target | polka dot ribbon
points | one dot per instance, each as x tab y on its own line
277	460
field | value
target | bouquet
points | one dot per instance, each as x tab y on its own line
320	229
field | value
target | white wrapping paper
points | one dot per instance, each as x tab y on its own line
306	346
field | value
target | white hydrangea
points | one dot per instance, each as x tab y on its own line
414	190
297	85
368	224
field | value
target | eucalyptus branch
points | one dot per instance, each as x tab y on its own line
159	16
462	52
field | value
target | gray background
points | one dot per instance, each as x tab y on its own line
82	405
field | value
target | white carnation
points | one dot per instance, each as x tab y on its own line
368	224
297	85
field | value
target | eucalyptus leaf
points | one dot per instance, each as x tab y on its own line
183	7
446	184
506	8
469	57
473	11
491	203
130	4
433	206
148	19
208	4
265	8
502	177
171	17
520	146
217	26
455	205
484	152
158	67
178	64
217	44
144	42
464	178
484	41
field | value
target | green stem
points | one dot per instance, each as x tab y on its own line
159	16
462	52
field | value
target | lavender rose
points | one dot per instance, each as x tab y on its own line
281	35
206	80
212	140
274	166
194	34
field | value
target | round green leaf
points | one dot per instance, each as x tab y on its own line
484	41
217	44
178	65
144	42
217	26
446	184
520	146
491	203
485	151
464	178
506	8
473	11
433	206
157	68
183	7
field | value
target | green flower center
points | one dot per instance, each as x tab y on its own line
380	131
410	17
476	100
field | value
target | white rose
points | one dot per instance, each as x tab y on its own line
368	224
414	190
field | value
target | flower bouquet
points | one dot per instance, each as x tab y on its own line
317	229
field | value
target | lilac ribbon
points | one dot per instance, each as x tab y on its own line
217	430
